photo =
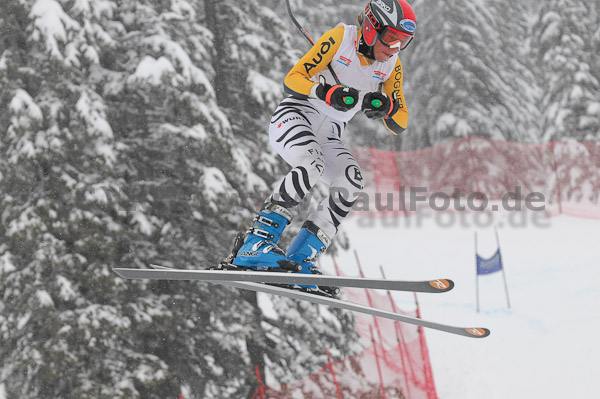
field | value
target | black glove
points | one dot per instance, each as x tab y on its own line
340	97
377	105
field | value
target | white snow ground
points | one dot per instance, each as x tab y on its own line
546	346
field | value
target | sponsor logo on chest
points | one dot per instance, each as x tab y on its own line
344	61
379	75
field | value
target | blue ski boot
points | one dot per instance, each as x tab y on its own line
310	242
260	251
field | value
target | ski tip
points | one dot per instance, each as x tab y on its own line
442	285
478	332
119	272
127	273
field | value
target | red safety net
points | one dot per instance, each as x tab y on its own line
394	364
567	174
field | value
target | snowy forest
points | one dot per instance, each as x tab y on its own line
135	132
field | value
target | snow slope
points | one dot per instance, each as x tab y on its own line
545	346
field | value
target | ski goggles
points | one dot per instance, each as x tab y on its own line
389	36
394	38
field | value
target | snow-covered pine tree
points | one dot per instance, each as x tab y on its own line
58	150
464	82
565	45
117	152
77	200
320	16
593	107
517	114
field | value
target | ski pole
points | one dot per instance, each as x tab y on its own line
347	100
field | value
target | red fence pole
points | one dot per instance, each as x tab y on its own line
330	363
261	386
371	305
337	269
400	342
429	383
378	365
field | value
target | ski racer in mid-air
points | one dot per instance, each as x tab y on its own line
306	130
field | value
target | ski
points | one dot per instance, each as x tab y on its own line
163	273
341	304
323	300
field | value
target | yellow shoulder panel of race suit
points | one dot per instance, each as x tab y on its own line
397	123
297	82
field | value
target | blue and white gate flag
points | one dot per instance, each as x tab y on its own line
491	265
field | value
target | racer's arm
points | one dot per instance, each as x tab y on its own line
297	82
393	88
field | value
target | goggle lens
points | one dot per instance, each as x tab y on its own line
394	38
